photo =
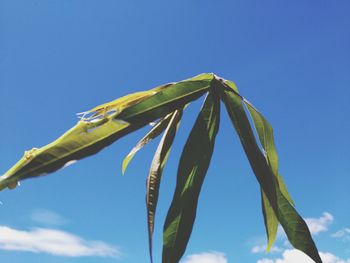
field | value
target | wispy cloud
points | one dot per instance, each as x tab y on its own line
55	242
343	234
318	225
47	218
293	255
206	257
262	248
265	260
290	255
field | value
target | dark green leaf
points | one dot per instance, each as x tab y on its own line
270	218
293	224
193	166
265	134
156	170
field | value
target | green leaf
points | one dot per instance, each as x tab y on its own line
105	124
293	224
168	99
119	104
85	138
193	166
266	137
153	133
270	220
156	170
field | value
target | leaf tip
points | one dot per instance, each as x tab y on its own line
125	164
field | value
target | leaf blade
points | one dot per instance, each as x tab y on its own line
270	219
191	174
294	225
165	98
104	129
155	173
266	137
152	134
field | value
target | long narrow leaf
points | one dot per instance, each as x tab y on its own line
270	218
266	137
169	98
192	169
85	138
156	170
153	133
295	227
91	135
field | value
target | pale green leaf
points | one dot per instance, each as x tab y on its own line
105	124
156	170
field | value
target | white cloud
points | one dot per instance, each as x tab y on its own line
317	225
262	248
265	260
55	242
293	255
48	218
206	257
344	234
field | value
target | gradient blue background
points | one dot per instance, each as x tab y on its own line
291	59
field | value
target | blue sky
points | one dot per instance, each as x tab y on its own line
291	59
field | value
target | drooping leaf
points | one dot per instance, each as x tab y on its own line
270	218
91	135
293	224
156	170
153	133
106	123
266	137
193	166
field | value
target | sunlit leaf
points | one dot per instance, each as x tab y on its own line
91	134
270	220
119	104
168	99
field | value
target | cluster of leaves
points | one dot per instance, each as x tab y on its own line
106	123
